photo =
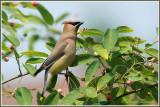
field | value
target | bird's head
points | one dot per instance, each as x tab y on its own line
72	25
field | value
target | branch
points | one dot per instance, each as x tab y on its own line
15	77
140	89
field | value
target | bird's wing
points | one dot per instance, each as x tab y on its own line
56	54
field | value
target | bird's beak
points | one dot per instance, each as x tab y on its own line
80	23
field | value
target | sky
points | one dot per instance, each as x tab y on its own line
142	16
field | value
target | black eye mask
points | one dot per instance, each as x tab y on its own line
74	23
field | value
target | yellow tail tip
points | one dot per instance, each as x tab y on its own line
41	98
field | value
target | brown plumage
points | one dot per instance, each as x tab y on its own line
63	53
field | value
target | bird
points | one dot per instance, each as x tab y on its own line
62	55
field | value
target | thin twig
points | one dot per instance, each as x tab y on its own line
15	77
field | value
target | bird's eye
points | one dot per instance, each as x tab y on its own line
74	23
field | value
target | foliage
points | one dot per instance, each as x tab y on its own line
112	62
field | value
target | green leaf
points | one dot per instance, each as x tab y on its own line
34	53
12	39
137	85
73	82
16	54
92	69
136	48
89	92
48	18
61	17
154	91
50	45
82	42
79	103
32	40
9	28
39	102
52	99
36	19
35	60
93	82
30	68
124	29
152	52
82	59
53	81
9	4
125	40
134	77
16	25
23	96
137	41
110	39
70	98
27	4
115	61
4	47
92	32
100	50
148	45
20	17
122	51
101	98
104	80
4	16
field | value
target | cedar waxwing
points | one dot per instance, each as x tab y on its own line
62	55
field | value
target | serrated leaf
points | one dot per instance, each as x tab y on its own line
92	69
4	47
101	98
104	80
51	99
110	39
89	92
61	17
136	48
34	53
50	45
36	19
121	51
9	28
35	60
23	96
12	39
148	45
152	52
48	18
115	61
124	29
73	82
125	40
27	4
4	16
82	59
142	94
16	25
70	98
32	40
93	82
82	42
30	68
92	32
20	17
100	50
9	4
39	102
134	77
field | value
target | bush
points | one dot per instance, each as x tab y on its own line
118	73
